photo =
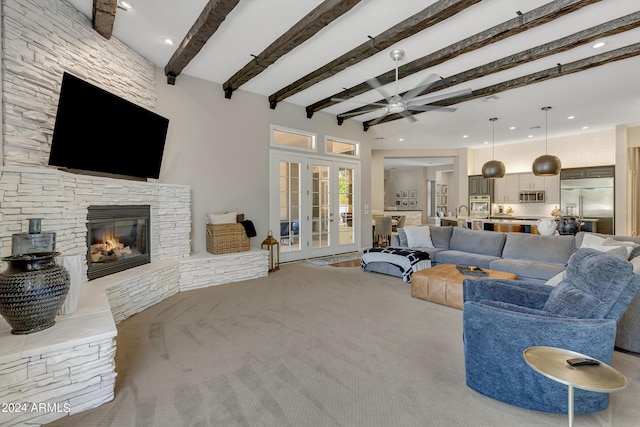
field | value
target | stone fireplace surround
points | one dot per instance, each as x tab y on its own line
70	367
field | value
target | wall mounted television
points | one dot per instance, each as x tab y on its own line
97	132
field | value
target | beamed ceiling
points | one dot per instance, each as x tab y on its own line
499	58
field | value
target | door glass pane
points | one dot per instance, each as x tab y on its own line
320	206
290	208
346	178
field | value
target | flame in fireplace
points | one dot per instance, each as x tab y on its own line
110	241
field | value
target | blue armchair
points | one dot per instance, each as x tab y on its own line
502	318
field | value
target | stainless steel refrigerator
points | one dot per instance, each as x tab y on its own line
589	198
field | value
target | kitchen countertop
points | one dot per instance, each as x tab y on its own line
507	219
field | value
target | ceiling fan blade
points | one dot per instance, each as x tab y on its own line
434	98
375	84
431	79
357	113
358	102
433	108
407	115
377	120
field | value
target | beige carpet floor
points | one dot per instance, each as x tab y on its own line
311	346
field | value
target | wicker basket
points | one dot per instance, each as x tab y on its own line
226	238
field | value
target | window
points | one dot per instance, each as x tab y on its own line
341	147
292	139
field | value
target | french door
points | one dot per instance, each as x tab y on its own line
314	209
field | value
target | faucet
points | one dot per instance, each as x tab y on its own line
463	206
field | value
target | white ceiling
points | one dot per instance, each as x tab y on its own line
599	98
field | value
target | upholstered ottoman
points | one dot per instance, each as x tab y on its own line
400	262
442	284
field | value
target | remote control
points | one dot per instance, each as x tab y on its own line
579	361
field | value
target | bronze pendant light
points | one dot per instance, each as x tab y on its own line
493	168
546	165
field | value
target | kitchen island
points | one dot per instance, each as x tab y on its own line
509	223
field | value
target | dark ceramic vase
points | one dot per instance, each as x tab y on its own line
568	224
32	290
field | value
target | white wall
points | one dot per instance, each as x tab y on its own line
589	149
40	41
220	147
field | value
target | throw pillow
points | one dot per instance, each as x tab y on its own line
402	236
556	279
630	246
619	251
591	239
225	218
418	237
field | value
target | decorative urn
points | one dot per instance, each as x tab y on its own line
32	290
546	226
568	224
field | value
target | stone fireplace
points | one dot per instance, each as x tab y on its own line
118	238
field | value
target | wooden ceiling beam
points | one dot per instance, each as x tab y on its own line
559	71
615	26
210	19
430	16
104	15
327	12
542	15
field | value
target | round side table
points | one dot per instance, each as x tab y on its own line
552	363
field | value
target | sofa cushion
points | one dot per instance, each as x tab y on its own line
537	248
593	284
488	243
418	237
440	236
402	236
459	257
527	270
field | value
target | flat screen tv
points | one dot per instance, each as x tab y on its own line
98	132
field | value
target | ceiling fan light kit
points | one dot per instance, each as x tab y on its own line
546	165
493	168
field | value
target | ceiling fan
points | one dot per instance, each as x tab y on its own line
404	104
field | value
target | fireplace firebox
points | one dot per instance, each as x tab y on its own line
117	238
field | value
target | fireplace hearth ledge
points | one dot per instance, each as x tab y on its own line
73	362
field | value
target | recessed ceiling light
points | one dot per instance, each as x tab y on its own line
529	136
571	117
168	41
401	139
486	142
512	128
598	45
465	136
127	4
585	127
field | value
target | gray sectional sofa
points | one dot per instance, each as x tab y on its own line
531	257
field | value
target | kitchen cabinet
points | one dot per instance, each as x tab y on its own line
478	185
506	189
590	172
528	181
552	189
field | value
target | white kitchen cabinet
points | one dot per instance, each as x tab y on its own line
528	181
552	189
506	189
